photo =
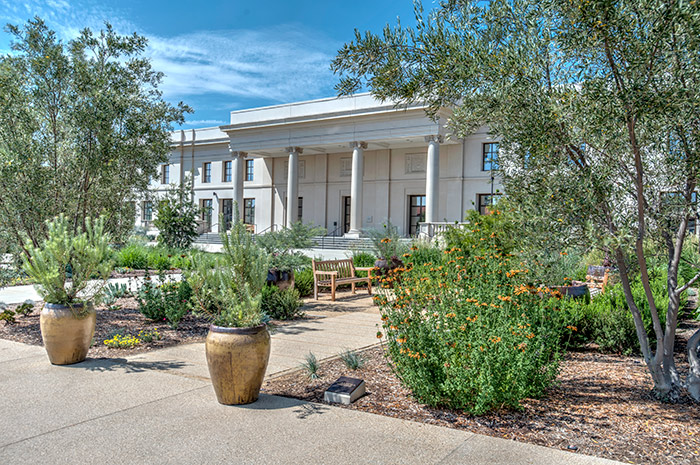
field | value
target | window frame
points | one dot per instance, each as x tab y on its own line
249	211
249	170
165	174
227	171
493	162
485	205
206	172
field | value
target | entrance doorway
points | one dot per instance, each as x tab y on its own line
416	213
226	213
346	213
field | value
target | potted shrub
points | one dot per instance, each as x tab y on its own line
284	246
228	291
70	270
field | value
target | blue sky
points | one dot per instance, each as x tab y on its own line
220	56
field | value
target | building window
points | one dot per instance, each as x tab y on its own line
227	171
249	211
249	170
165	174
490	157
416	213
147	211
486	201
207	209
206	172
301	209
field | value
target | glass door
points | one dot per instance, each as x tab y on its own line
346	213
416	213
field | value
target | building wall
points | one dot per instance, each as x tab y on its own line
390	177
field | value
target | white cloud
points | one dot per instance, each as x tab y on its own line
279	64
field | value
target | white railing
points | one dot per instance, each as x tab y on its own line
436	228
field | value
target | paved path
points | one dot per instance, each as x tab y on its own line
160	408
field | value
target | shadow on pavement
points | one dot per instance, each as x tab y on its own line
126	366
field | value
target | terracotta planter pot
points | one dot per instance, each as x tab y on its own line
66	337
237	359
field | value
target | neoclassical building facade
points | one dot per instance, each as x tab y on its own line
347	164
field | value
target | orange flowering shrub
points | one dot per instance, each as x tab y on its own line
466	331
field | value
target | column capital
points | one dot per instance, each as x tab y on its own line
238	153
298	150
358	144
435	138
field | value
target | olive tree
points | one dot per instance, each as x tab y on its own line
597	106
83	128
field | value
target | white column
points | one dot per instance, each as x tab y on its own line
293	185
432	179
237	180
358	166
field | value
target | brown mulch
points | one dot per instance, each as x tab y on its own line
124	318
601	406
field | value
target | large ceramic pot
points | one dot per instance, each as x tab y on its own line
67	333
237	359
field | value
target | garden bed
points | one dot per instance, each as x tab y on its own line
124	319
601	406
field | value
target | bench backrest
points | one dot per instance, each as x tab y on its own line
345	268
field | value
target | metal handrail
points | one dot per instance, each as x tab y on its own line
333	234
270	228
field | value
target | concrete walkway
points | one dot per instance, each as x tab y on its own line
160	407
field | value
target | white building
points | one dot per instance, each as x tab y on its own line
348	164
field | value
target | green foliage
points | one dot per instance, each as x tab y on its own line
133	256
283	245
86	254
159	259
607	321
164	301
310	366
386	242
8	316
423	253
25	308
228	288
83	127
304	282
113	292
176	217
466	332
149	336
352	359
281	304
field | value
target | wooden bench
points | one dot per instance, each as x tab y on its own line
332	273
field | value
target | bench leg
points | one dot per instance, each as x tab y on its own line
353	288
369	286
315	290
333	288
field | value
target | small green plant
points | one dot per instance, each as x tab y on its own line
281	304
83	255
134	256
304	282
149	336
25	308
164	301
283	245
7	316
120	341
386	242
310	366
113	292
352	359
